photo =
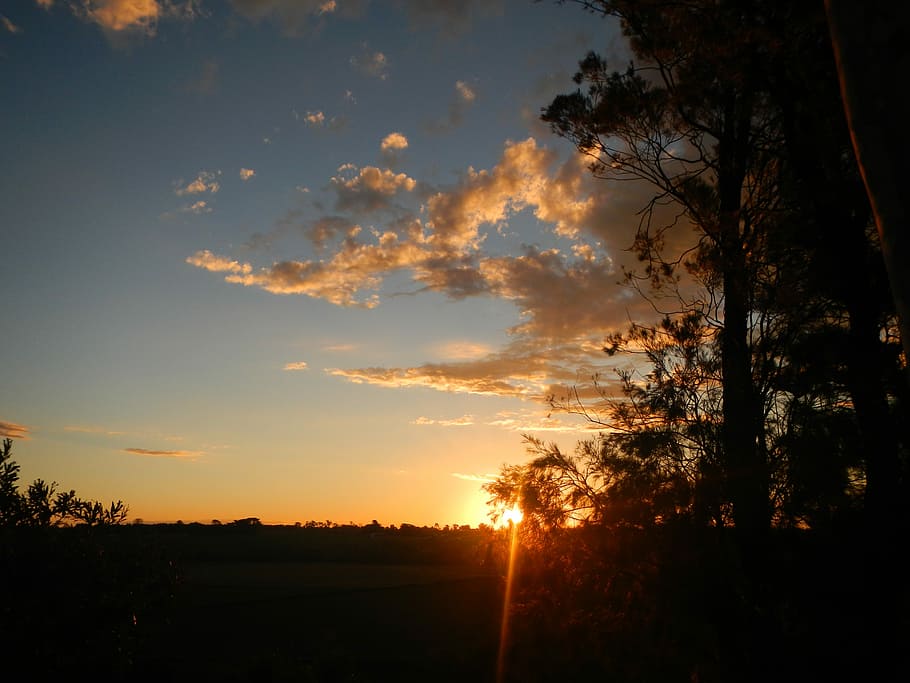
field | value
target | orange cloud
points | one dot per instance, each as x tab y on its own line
374	64
394	142
247	173
464	421
204	182
297	365
9	25
91	430
163	454
13	430
369	188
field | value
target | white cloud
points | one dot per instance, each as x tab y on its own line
479	478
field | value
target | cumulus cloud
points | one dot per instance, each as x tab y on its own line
370	63
163	454
566	298
326	229
462	100
394	142
297	365
206	181
13	430
246	173
132	16
369	188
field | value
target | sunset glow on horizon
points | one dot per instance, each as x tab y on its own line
298	260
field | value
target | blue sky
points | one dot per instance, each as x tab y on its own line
297	260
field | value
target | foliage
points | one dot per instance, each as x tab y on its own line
77	590
43	506
762	421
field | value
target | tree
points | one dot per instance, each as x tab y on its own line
43	506
868	42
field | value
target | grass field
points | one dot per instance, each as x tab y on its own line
327	621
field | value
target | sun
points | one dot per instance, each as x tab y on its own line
513	515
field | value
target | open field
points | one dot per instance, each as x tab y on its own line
328	622
238	618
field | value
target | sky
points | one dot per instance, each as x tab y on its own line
298	259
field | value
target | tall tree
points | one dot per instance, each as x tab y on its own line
692	118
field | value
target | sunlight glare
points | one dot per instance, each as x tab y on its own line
513	515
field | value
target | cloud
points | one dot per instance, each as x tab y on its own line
479	478
328	228
463	421
295	16
246	173
197	207
447	15
297	365
91	430
204	182
461	101
217	264
557	293
393	142
526	368
132	16
314	118
45	4
369	188
12	430
373	64
163	454
340	348
566	297
392	146
9	25
463	350
465	92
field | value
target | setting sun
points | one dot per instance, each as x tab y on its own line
513	515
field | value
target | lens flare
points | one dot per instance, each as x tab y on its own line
512	517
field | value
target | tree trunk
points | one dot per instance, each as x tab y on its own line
870	45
